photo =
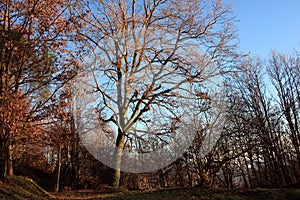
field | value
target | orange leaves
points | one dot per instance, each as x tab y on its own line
64	42
202	95
14	112
35	62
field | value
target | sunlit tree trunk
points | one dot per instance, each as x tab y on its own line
10	170
118	158
57	185
74	151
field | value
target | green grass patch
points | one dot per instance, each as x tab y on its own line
204	194
17	187
196	193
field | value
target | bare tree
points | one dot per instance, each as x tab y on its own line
149	59
285	75
255	122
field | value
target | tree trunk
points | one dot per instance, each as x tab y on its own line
162	181
74	153
2	160
118	158
5	158
10	171
53	165
57	185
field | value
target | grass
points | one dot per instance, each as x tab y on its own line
194	193
17	187
276	194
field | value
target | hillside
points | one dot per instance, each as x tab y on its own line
17	187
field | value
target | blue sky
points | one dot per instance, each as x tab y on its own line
267	25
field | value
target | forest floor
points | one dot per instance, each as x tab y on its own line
16	187
186	194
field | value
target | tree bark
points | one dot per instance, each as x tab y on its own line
74	152
118	158
5	158
10	169
2	160
57	185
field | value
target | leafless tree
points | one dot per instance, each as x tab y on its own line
149	59
285	75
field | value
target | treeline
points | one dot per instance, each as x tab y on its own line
258	145
247	127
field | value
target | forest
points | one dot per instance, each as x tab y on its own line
142	95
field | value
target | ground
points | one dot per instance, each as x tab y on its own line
17	187
23	188
187	194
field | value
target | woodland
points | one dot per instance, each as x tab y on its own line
156	67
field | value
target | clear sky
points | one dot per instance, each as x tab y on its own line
267	25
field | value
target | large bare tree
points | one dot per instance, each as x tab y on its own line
149	60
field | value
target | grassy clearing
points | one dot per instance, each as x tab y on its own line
191	193
17	187
23	188
214	194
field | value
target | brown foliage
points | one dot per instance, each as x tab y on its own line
35	63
